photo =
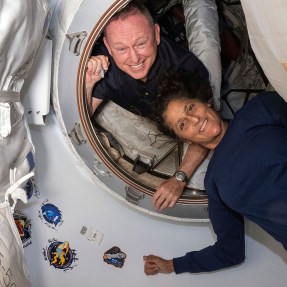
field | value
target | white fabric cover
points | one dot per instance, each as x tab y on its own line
22	27
201	20
266	24
12	265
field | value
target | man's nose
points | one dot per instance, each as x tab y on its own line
134	55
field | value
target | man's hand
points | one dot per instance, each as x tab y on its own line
168	193
94	67
97	66
154	265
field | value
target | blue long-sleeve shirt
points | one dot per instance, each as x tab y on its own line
246	177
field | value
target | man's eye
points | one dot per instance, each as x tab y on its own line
189	108
141	44
121	49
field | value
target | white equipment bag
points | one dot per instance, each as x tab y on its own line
13	271
23	25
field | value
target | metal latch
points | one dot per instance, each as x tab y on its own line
133	196
99	168
76	135
75	41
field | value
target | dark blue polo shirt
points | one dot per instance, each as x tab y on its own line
246	178
135	95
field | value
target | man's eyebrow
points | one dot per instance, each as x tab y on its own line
141	39
118	43
136	40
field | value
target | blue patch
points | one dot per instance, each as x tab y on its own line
29	187
31	161
51	214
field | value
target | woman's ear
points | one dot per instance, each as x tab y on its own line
210	103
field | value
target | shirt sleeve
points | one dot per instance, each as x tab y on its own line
229	250
99	90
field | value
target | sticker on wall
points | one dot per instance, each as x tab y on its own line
60	255
115	257
50	215
92	234
31	188
24	227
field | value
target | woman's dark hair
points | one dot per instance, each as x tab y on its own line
174	85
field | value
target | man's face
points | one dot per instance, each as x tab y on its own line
132	43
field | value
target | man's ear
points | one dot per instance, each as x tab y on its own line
157	33
106	42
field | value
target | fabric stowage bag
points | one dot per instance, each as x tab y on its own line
13	270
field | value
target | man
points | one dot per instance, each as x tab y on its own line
125	71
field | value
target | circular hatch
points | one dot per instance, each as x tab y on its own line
129	164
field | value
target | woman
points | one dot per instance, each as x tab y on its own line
246	177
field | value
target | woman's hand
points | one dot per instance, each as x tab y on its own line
155	264
168	193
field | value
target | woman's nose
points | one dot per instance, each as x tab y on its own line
194	119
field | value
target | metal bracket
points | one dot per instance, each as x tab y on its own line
143	163
75	41
76	135
98	168
133	196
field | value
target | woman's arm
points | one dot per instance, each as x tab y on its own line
229	249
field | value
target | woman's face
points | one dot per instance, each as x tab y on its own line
195	122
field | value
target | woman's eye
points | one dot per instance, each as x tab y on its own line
189	108
181	125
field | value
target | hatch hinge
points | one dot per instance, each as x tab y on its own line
76	135
75	41
133	196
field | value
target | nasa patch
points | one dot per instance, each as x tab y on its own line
31	188
23	225
115	257
51	215
60	255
